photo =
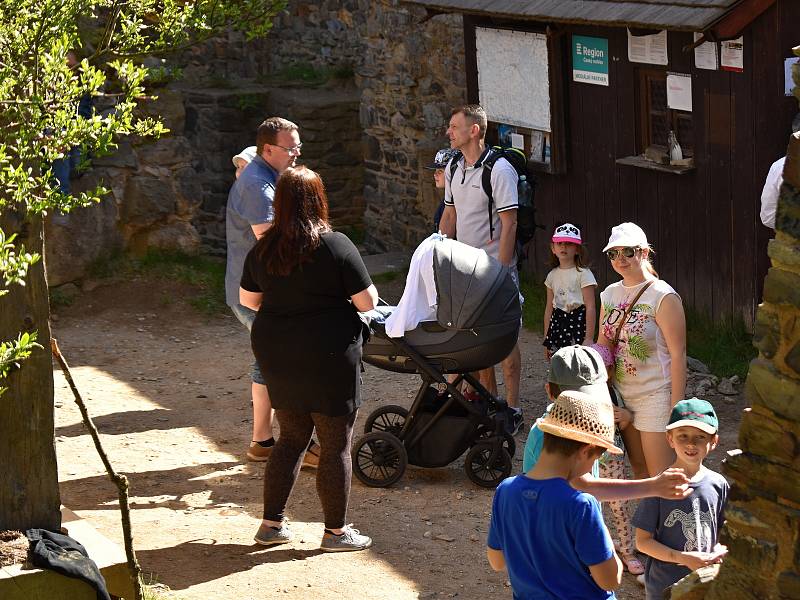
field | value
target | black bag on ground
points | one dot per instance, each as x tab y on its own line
63	554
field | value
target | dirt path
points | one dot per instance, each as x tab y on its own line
168	389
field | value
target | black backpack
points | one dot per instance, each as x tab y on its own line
526	187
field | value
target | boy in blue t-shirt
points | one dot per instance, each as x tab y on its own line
680	536
549	536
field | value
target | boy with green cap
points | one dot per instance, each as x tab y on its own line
680	536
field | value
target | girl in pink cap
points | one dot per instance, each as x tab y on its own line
570	312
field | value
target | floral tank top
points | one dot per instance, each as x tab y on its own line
642	361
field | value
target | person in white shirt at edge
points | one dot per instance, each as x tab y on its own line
772	187
466	210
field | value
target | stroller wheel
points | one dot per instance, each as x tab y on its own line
485	435
482	469
389	418
379	459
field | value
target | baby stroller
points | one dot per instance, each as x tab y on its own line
477	324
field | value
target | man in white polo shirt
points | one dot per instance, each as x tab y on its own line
467	212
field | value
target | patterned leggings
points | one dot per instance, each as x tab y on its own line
614	468
335	465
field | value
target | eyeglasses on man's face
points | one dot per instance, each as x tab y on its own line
627	252
291	151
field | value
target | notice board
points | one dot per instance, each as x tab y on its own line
513	77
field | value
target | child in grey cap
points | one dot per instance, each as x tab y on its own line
580	368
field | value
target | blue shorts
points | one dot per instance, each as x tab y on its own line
246	317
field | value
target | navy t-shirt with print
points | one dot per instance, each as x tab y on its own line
676	523
549	534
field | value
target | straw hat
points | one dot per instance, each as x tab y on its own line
580	417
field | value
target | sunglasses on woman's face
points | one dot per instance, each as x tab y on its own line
627	252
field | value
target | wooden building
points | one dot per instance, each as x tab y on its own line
590	87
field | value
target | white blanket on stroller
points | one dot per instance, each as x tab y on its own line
418	302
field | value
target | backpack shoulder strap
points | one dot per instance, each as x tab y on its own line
486	182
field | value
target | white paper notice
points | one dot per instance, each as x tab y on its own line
517	141
679	91
732	55
788	82
651	49
705	55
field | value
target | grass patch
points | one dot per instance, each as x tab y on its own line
387	277
533	308
60	299
205	273
725	347
307	74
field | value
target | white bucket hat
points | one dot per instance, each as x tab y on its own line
627	234
247	155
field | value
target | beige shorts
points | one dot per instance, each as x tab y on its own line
651	413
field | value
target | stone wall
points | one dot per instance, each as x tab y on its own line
412	75
326	34
171	194
763	515
220	122
371	85
154	195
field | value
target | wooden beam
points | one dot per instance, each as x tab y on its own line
734	22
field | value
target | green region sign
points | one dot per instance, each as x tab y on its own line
590	60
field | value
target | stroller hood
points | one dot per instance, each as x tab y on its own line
472	287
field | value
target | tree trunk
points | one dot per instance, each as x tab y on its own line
28	473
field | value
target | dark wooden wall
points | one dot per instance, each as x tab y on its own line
705	227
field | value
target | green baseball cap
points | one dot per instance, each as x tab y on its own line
694	413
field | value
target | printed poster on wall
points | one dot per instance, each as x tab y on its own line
679	91
650	49
590	60
705	55
788	82
731	56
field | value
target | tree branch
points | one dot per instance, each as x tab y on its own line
119	480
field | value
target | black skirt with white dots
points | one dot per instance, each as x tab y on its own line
566	328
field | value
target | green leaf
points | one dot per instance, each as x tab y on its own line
638	348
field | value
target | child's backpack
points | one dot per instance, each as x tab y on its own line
526	187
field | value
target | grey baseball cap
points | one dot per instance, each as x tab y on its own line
581	369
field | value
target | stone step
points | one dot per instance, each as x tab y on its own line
23	582
387	262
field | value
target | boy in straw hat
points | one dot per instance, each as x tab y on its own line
581	368
680	536
550	536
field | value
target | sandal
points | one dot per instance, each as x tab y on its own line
633	564
311	457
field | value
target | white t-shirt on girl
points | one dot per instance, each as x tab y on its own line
567	286
642	363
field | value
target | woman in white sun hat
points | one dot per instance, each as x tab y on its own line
645	315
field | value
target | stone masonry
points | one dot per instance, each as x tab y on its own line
410	81
763	515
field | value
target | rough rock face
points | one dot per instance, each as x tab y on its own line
409	85
763	515
151	189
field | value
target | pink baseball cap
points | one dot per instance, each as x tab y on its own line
567	233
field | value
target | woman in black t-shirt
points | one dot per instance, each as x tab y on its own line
307	282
